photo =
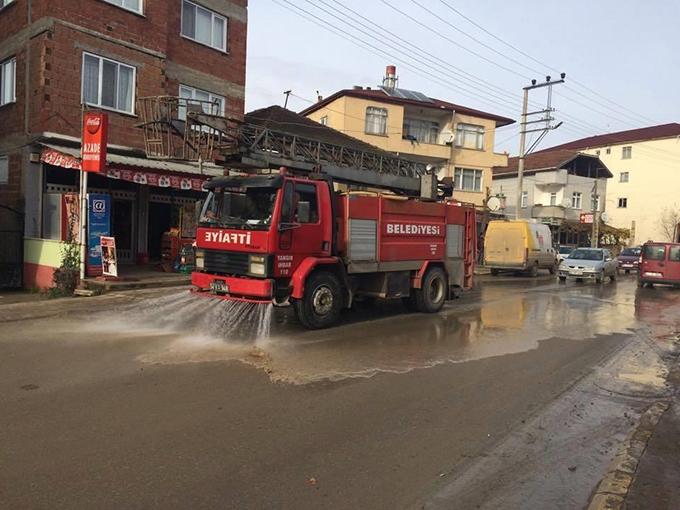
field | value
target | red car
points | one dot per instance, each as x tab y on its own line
659	263
629	259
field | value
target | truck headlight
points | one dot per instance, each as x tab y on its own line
200	259
257	265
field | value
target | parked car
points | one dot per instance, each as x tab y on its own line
588	263
659	263
519	245
563	252
629	259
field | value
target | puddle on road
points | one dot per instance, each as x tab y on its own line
500	320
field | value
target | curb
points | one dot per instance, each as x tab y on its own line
613	488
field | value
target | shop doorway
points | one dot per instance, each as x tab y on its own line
123	228
162	218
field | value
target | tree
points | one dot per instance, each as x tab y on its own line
669	222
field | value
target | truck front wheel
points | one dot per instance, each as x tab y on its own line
431	296
321	304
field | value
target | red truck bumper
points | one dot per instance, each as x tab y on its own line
239	289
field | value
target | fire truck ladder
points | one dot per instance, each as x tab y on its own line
183	129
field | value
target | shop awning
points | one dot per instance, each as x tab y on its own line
163	174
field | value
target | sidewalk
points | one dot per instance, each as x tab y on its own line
657	480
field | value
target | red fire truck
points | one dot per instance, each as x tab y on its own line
291	239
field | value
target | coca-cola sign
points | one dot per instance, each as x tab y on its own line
95	130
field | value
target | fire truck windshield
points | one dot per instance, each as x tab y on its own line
250	208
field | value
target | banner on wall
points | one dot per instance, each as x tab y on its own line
109	258
98	225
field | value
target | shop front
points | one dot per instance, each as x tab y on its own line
152	209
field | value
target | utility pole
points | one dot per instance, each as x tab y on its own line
524	124
595	233
286	93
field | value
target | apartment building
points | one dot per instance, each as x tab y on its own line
457	139
643	195
558	186
58	55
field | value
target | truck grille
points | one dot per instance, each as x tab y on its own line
226	262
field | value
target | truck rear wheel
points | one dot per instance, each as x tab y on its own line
432	294
321	304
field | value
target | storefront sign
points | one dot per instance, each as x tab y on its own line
95	131
56	158
109	259
98	225
586	218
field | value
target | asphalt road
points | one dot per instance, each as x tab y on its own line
160	400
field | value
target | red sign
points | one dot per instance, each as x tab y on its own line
587	218
95	131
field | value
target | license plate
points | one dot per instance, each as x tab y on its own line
219	287
626	265
577	272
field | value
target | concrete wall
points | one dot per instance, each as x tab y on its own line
653	185
347	114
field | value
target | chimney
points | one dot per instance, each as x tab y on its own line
390	80
319	97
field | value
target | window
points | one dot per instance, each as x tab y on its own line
324	120
624	176
626	152
108	84
306	194
376	121
210	103
4	169
576	198
674	254
467	179
8	71
422	131
623	203
609	150
469	136
524	201
131	5
597	152
204	26
553	198
654	251
595	203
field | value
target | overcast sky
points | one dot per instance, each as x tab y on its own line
626	51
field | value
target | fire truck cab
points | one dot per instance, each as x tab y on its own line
294	240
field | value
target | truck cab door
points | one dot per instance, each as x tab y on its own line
304	229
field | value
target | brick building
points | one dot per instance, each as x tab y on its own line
57	54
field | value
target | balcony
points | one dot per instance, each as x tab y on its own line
555	212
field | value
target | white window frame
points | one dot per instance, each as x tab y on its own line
553	198
459	179
3	69
622	203
211	98
137	11
324	120
595	202
423	131
462	130
214	15
627	152
100	83
577	200
626	178
4	169
382	115
524	200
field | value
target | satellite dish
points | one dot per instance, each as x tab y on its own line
494	204
604	217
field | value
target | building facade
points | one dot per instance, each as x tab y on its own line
558	186
58	55
455	138
643	195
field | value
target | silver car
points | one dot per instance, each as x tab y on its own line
588	263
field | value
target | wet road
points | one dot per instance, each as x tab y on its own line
159	400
